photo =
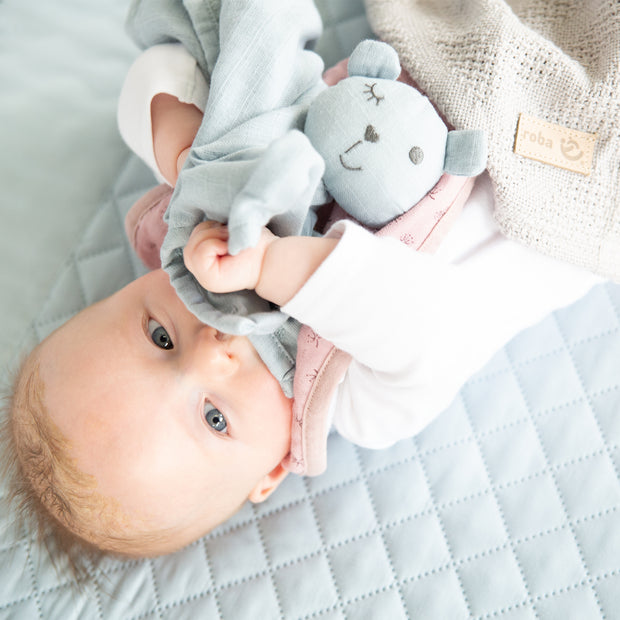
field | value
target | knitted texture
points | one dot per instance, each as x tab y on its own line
484	62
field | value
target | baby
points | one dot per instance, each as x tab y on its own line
136	428
159	422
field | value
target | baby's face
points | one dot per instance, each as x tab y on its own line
177	422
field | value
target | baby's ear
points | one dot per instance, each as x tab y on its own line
268	484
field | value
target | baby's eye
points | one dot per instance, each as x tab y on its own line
159	335
372	93
215	419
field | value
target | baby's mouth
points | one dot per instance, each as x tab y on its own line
344	165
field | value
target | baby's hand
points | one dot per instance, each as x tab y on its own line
206	256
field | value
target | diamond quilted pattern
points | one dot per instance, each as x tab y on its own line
385	603
473	526
255	598
226	552
608	591
492	581
508	506
352	518
417	546
171	579
313	582
519	438
395	502
546	570
569	430
499	387
436	594
450	483
531	506
543	390
578	601
292	534
588	485
372	567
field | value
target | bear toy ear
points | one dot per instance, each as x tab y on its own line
374	59
466	152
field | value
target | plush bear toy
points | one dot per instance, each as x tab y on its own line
383	143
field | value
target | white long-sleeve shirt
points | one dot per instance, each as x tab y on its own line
417	325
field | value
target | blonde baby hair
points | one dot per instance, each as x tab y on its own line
47	491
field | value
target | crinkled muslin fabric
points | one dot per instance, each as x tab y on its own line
485	62
250	164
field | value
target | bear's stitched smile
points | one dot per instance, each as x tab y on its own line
370	135
350	149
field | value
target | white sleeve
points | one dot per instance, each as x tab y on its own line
166	68
419	327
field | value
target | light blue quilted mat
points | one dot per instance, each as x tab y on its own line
508	506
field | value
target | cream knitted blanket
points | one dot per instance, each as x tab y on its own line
488	63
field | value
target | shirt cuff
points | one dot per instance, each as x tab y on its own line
166	68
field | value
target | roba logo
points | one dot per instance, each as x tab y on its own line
570	149
554	144
568	146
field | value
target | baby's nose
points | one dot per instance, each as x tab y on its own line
212	351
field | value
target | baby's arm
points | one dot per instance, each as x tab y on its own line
277	267
166	69
174	126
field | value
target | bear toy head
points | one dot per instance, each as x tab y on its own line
383	143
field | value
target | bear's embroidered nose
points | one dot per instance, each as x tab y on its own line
370	134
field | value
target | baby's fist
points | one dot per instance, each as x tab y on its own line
207	258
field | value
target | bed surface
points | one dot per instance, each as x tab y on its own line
508	506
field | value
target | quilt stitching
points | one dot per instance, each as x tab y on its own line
151	570
486	376
493	486
511	543
325	553
326	548
35	587
270	569
442	527
386	548
587	398
558	491
211	577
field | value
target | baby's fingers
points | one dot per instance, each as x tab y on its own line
207	230
206	246
203	232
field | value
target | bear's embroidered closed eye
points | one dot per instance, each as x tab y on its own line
372	95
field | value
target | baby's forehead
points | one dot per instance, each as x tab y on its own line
74	334
27	386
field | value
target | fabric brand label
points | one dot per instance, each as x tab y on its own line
554	144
